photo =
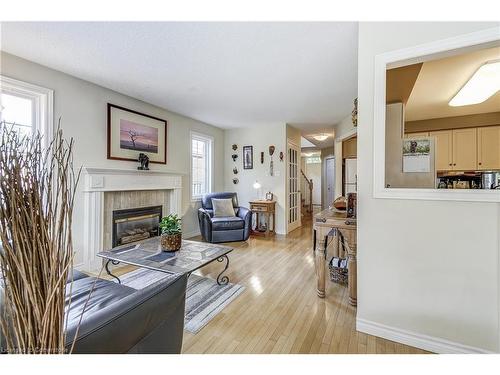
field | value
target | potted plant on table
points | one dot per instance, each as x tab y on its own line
171	233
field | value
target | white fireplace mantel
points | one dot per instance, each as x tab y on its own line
98	181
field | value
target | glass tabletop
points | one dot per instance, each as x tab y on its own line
148	254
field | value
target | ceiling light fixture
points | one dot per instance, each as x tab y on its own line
320	137
484	83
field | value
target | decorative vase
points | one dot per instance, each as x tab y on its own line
171	242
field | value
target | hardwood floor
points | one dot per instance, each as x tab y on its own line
279	311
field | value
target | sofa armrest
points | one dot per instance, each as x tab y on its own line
117	328
246	215
205	222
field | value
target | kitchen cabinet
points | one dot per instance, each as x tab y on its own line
444	145
417	135
464	149
488	147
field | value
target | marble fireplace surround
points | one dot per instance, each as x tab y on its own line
101	181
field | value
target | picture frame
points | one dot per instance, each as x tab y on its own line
269	196
131	133
416	155
247	157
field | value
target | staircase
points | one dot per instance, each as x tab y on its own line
307	203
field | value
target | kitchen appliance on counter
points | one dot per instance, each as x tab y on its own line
469	180
490	180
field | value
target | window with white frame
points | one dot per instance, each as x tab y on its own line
201	164
25	107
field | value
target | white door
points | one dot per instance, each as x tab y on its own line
330	181
293	188
351	171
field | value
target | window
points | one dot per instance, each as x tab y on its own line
17	111
26	107
313	160
201	165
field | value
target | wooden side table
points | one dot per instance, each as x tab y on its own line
268	209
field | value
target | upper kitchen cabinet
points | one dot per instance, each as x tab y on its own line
444	146
488	147
417	135
464	149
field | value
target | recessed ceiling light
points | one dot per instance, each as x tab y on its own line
484	83
320	137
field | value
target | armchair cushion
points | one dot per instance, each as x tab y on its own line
227	223
223	207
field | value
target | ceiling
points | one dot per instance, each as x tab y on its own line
225	74
400	82
308	131
439	81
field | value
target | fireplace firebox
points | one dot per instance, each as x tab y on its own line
135	224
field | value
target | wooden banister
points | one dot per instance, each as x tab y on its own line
310	185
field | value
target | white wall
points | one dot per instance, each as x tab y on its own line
260	137
81	106
428	267
313	171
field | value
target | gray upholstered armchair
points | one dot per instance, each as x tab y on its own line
224	229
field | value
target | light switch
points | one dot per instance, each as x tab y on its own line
277	173
97	182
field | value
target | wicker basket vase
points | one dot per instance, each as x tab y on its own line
171	242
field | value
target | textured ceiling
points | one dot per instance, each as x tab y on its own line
225	74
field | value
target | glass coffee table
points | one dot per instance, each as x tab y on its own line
148	254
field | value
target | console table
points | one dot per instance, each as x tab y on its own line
324	223
268	210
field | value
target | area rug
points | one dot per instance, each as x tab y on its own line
204	297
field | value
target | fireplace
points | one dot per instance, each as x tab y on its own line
135	224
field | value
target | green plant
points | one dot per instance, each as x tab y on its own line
170	224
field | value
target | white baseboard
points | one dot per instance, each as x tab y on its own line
191	234
418	340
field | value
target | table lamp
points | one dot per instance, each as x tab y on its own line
257	186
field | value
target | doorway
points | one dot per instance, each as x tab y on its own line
329	181
293	188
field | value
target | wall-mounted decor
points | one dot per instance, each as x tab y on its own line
262	157
235	147
247	157
144	161
234	157
281	155
416	155
235	180
235	170
131	133
354	113
271	165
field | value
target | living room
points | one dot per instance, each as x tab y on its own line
183	183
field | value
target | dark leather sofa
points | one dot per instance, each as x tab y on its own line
119	319
224	229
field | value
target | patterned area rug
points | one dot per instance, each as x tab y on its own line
204	297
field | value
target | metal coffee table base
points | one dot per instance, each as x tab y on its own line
221	280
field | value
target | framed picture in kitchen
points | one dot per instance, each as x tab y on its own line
131	133
247	157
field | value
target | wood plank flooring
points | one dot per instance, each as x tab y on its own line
279	311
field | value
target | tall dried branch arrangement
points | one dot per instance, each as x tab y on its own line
37	190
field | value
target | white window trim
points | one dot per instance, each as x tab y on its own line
415	55
210	162
43	119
